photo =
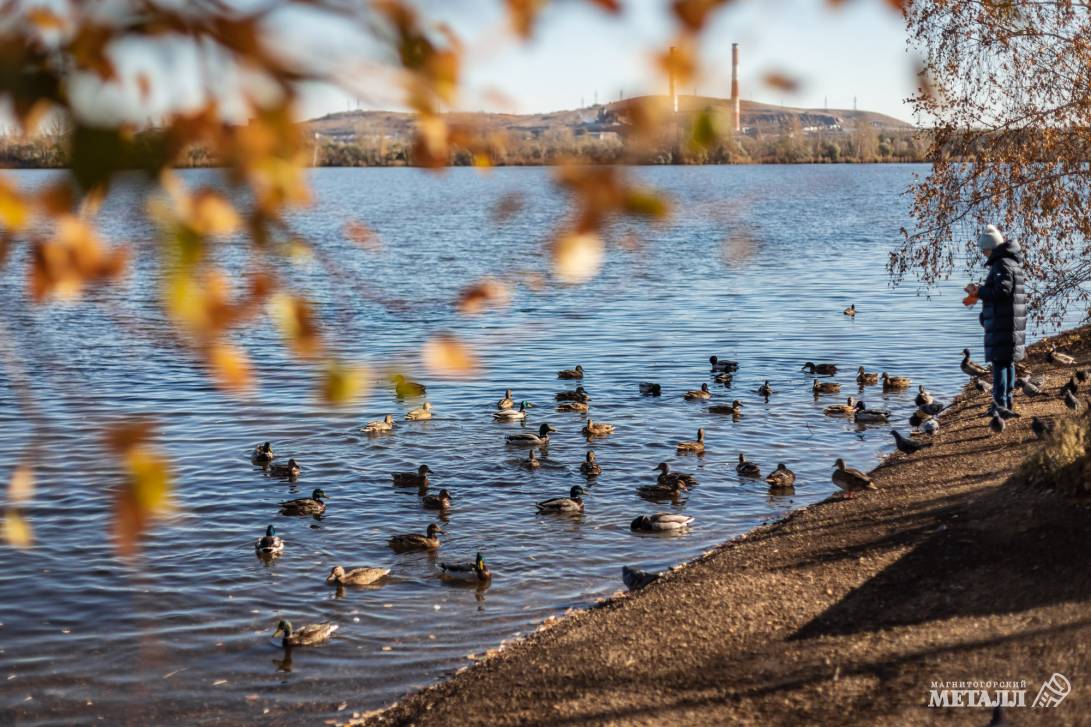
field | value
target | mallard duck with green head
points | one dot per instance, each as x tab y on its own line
440	501
564	505
408	542
355	576
290	468
822	369
263	454
418	479
869	416
312	505
269	544
529	439
746	468
309	635
718	365
589	467
512	415
470	572
386	424
661	522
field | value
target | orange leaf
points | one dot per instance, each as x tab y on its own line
445	355
230	366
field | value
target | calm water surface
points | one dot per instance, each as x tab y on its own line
756	266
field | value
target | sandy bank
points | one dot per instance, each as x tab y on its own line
846	612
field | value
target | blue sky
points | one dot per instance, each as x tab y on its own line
856	50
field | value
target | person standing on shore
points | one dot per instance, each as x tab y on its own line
1003	314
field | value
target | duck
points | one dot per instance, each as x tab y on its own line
1061	359
849	479
661	522
312	505
919	417
476	571
531	462
924	397
419	414
404	388
308	635
571	504
724	378
850	311
418	479
386	424
825	387
441	501
635	579
734	408
866	378
836	410
270	543
747	468
408	542
781	478
865	415
895	382
969	367
649	388
907	445
512	415
576	373
825	369
765	389
529	439
290	468
579	406
721	365
355	576
589	466
592	429
702	393
681	479
577	394
263	454
507	402
697	446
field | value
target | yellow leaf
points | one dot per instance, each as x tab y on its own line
230	366
13	208
445	355
211	214
296	320
21	485
341	384
577	256
17	531
150	481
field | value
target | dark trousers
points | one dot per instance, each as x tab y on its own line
1003	382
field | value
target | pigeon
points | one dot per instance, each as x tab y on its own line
996	424
909	446
932	408
1042	428
969	367
1029	387
982	386
1081	375
1071	385
636	579
918	418
930	427
1071	401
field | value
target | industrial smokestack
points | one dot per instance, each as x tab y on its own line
736	104
670	65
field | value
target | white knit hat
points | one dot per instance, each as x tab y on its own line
989	239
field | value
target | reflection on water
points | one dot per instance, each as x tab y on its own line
181	635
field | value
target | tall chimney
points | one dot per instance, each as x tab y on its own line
670	64
736	104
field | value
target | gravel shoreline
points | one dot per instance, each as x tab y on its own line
844	612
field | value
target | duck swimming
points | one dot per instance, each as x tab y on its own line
442	501
511	415
507	402
475	571
571	504
851	480
409	542
765	389
420	414
528	439
312	505
719	364
418	479
531	462
836	410
825	387
289	469
648	388
661	522
579	406
263	454
270	543
386	424
850	311
592	429
747	468
866	378
734	408
355	576
895	382
724	378
590	467
675	479
702	393
865	415
781	478
697	446
578	394
308	635
576	373
825	369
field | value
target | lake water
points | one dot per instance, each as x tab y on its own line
756	266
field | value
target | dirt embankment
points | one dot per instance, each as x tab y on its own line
844	613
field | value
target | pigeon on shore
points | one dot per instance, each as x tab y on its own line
1081	375
930	427
1029	387
1071	401
996	424
982	386
1042	428
907	445
1071	385
636	579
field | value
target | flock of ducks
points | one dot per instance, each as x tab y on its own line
668	485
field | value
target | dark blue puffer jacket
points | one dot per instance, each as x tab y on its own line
1004	305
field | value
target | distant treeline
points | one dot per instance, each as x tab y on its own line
865	145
